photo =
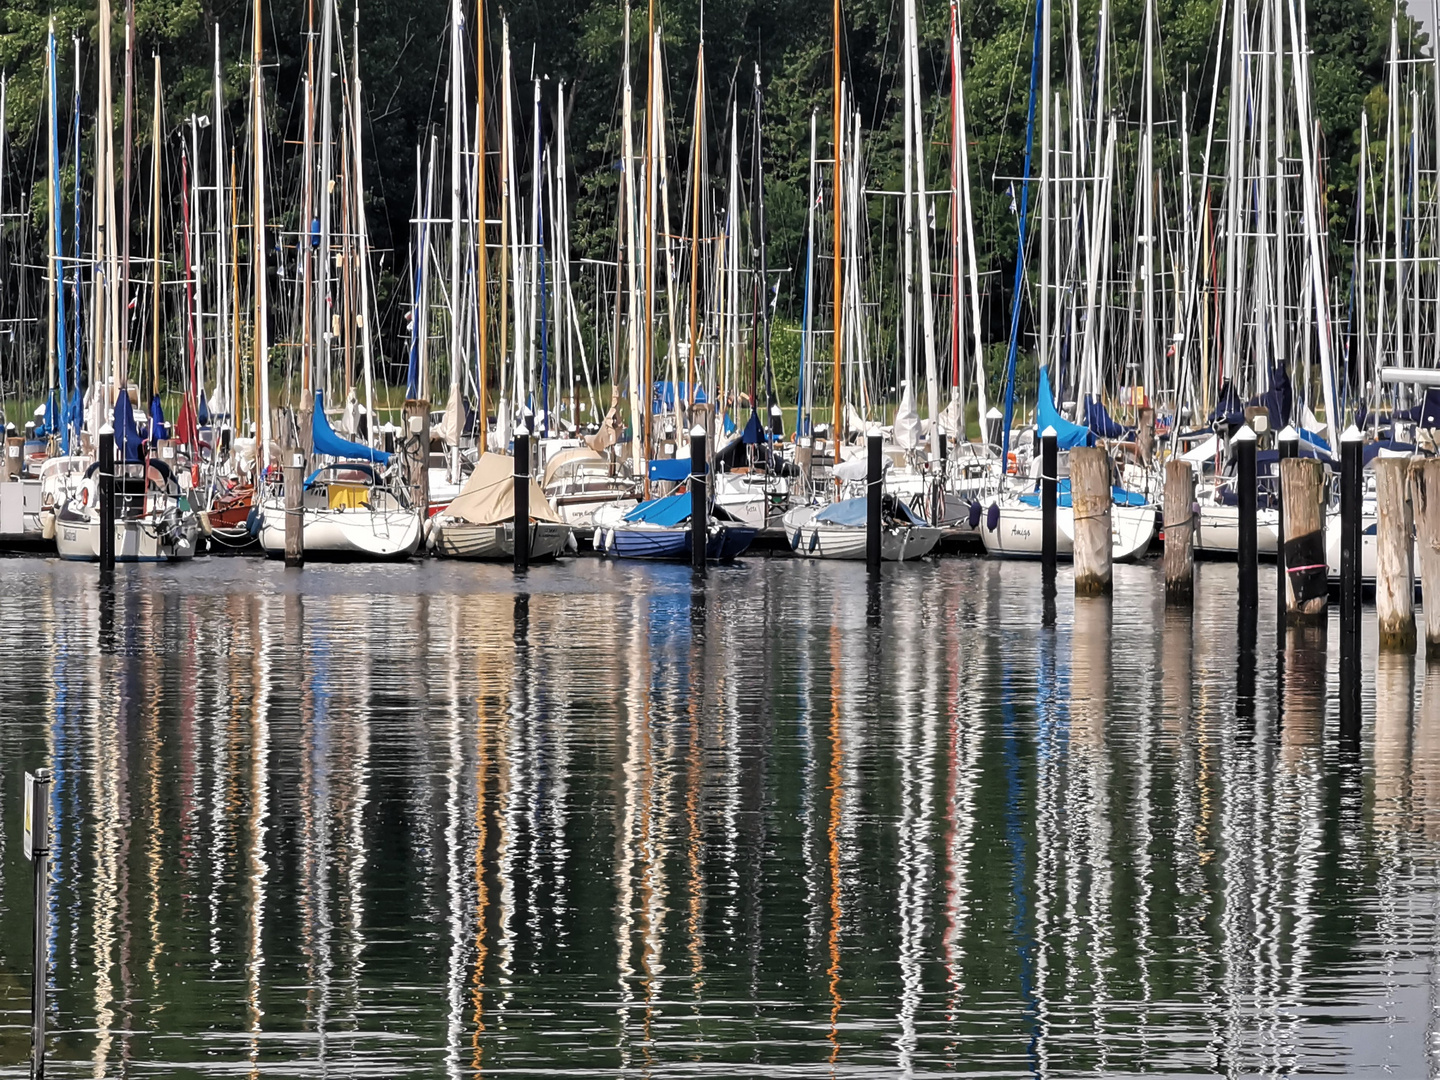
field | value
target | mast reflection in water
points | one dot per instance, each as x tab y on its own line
412	821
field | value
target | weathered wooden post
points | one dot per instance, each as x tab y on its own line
1306	585
699	506
12	463
1179	518
1145	436
1049	499
1394	556
1090	500
873	493
522	498
105	493
293	473
37	850
1425	494
417	453
1246	557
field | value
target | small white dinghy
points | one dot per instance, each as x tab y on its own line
838	531
480	523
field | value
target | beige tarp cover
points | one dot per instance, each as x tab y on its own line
569	454
609	433
488	497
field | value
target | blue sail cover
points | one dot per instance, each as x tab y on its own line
157	419
1099	420
672	470
1279	400
127	435
852	513
332	445
1067	435
1229	409
754	433
667	513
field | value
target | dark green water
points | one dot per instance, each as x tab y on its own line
413	821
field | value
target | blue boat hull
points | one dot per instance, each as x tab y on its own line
674	544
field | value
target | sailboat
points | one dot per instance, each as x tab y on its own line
480	522
351	506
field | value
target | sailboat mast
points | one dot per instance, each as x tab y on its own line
125	173
222	308
54	215
157	270
698	139
325	322
457	90
837	246
364	245
260	350
1147	183
482	286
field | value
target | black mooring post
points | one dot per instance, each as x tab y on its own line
873	493
1287	444
1352	490
1244	443
1049	499
699	507
37	849
105	494
522	498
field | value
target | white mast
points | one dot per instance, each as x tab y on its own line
967	210
457	97
627	166
922	213
1147	182
324	323
261	348
364	230
228	396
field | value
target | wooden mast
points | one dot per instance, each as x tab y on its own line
698	137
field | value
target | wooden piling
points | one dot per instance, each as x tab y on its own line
1179	518
12	462
1394	556
1145	436
1090	499
1303	485
416	444
293	471
1425	496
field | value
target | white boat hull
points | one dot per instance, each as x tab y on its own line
78	539
1020	535
1218	531
353	533
823	541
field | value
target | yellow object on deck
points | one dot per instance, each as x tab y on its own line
347	496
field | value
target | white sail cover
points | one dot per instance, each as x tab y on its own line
488	497
906	434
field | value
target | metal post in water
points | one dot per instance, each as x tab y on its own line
1287	445
873	493
1244	443
522	498
37	850
699	506
1049	499
105	494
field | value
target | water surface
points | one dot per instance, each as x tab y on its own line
427	820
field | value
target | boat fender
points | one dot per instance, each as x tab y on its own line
610	541
992	517
814	539
976	510
253	521
571	544
795	541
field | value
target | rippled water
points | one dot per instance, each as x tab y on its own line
424	820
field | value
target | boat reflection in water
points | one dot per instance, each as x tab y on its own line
414	821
